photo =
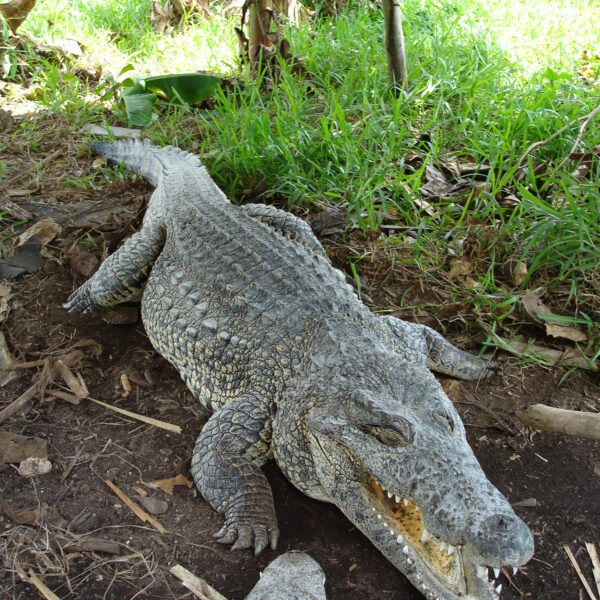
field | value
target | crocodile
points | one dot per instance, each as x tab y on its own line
270	337
291	576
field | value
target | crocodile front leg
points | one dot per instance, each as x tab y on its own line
122	276
233	445
442	356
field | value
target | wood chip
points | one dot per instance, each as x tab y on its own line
41	586
197	586
595	564
586	585
149	420
167	485
74	384
16	448
135	508
94	545
20	404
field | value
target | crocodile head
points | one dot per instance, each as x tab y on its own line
398	464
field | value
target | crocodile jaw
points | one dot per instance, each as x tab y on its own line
439	570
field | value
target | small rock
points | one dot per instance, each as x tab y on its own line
155	506
34	466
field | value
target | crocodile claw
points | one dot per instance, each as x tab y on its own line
245	535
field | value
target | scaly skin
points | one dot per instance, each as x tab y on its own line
291	576
267	335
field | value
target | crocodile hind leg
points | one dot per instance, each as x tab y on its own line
229	451
441	356
286	224
122	276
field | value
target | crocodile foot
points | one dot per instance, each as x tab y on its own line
245	532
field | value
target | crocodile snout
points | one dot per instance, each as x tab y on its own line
504	539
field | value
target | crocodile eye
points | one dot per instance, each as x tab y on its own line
389	436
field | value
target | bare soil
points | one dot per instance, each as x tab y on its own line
553	480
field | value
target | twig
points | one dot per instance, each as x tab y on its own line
149	420
17	405
586	585
537	145
197	586
585	123
136	509
41	586
595	564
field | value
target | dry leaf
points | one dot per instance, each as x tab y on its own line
45	515
6	361
47	229
515	271
15	12
534	306
30	467
167	485
566	332
460	266
17	448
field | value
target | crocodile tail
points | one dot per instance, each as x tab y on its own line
141	156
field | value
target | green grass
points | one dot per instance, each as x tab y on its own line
487	79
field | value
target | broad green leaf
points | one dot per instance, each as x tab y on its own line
183	88
139	108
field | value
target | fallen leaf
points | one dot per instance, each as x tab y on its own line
47	229
167	485
45	515
15	12
16	448
30	467
515	271
26	261
331	223
534	306
460	266
567	332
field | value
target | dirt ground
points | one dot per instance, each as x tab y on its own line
84	543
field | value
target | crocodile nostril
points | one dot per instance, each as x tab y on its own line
497	523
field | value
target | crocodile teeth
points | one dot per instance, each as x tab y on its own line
379	516
389	494
450	549
399	539
442	546
496	573
405	501
499	589
425	536
405	549
410	561
397	499
481	571
515	570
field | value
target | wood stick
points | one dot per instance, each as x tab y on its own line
42	587
149	420
70	379
595	564
197	586
586	585
17	405
571	422
135	508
